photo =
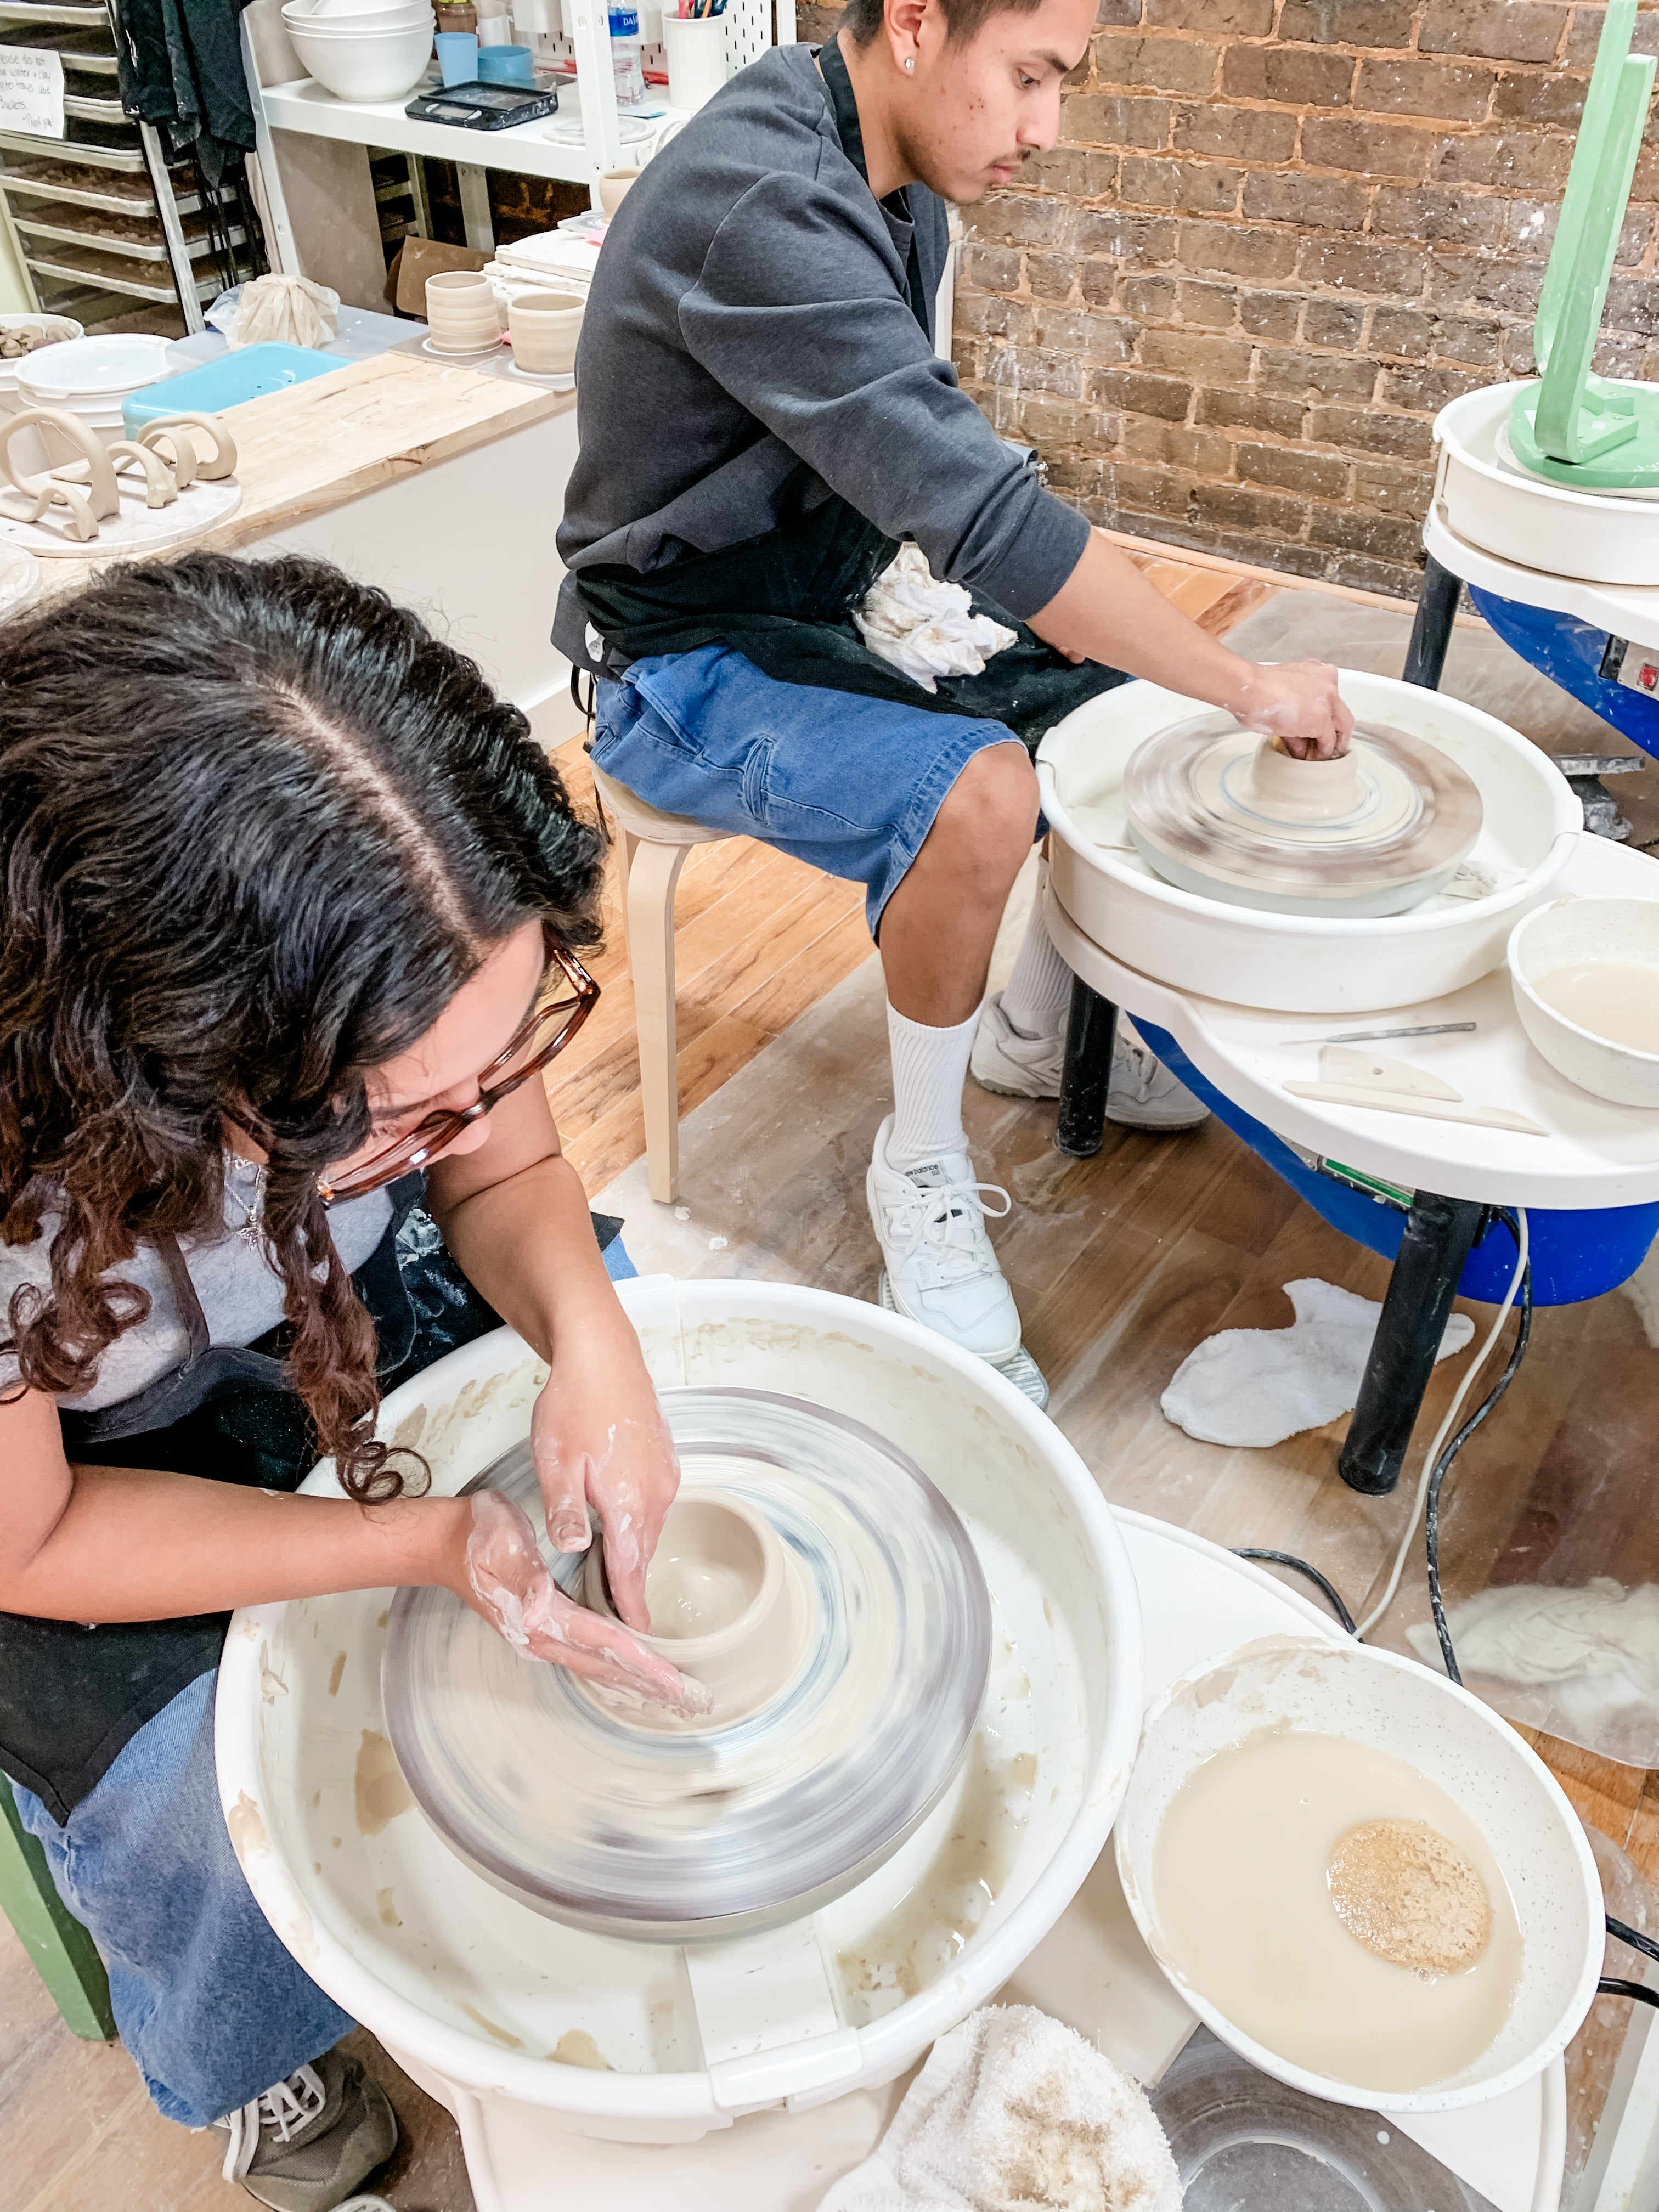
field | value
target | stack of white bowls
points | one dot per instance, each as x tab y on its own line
362	49
88	378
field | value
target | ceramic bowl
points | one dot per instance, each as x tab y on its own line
1373	1697
1561	935
545	327
364	66
753	1633
374	26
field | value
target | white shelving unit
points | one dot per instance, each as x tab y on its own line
751	25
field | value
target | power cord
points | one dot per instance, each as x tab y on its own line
1302	1567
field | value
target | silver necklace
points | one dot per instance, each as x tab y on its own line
250	1227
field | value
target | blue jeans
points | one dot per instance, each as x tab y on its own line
847	783
210	2006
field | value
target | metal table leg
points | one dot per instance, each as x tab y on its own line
1091	1036
1437	605
1439	1232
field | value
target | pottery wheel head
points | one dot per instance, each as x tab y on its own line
857	1595
1234	810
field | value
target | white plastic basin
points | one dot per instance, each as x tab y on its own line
1604	539
95	368
473	1991
1296	963
1562	935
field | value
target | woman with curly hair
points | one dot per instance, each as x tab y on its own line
289	907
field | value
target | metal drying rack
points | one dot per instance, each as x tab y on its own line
53	192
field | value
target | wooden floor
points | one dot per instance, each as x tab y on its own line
1122	1265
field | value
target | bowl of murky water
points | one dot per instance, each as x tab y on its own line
1360	1877
1586	978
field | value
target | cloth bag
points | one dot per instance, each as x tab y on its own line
284	311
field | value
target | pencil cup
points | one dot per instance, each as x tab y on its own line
545	327
461	313
696	49
507	65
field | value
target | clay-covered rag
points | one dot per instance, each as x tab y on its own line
1258	1386
1012	2111
924	629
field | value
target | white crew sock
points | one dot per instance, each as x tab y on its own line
929	1069
1037	995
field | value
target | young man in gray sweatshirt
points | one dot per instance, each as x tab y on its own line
763	419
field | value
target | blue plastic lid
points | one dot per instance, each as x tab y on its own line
218	385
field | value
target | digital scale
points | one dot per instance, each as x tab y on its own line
483	107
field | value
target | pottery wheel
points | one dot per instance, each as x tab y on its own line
711	1830
1199	817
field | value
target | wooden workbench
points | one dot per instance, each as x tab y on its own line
442	484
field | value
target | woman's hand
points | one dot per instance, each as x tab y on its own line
506	1582
599	1438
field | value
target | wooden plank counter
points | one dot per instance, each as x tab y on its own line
442	484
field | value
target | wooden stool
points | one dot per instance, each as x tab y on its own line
654	847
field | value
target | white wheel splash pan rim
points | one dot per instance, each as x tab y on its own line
1301	964
1598	538
948	1410
1408	1711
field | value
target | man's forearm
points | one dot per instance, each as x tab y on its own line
1106	611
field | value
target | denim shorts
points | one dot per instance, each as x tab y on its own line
847	783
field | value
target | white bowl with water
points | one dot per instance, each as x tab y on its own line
1585	974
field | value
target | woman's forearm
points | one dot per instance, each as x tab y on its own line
134	1545
527	1245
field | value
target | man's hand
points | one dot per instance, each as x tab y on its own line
1297	702
599	1438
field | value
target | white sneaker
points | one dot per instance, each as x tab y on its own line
1142	1095
941	1270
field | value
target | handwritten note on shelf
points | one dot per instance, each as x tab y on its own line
31	91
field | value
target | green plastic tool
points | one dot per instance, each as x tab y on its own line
1593	432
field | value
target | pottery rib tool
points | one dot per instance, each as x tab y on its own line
1348	1078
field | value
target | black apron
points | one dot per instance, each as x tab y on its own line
71	1696
784	599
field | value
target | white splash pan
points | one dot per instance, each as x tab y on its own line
472	1991
1601	539
1301	964
1470	1752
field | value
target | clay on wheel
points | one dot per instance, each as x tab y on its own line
692	1831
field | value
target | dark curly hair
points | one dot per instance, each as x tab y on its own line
257	826
963	19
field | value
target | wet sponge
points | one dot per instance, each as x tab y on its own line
1409	1895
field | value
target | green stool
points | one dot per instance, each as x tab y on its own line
64	1955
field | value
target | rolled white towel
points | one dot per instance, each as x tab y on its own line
1013	2110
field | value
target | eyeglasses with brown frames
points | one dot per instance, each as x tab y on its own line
546	1034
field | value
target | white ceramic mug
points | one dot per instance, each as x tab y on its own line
696	49
461	312
543	327
612	186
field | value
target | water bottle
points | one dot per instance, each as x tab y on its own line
625	56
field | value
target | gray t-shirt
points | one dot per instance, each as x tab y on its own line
748	342
240	1293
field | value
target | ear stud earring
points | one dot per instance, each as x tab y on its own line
908	62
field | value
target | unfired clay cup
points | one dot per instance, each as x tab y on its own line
612	186
753	1651
1304	790
461	312
543	327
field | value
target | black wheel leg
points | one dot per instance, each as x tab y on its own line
1431	629
1439	1232
1091	1036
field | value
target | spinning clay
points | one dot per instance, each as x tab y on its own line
828	1599
1218	812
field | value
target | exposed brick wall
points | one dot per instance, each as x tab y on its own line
1278	236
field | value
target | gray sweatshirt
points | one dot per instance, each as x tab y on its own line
748	342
